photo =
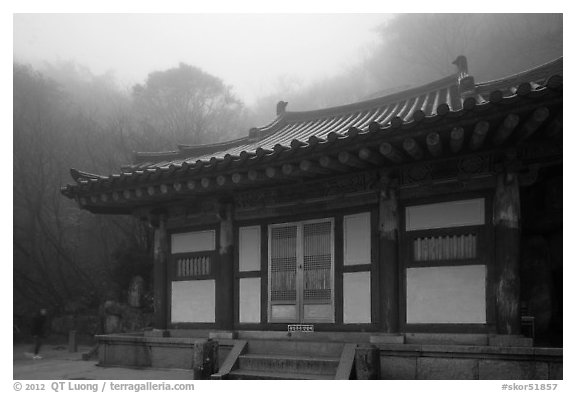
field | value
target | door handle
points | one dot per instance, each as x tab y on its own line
300	266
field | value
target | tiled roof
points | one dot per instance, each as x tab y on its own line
321	130
288	127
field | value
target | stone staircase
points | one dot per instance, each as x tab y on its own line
275	359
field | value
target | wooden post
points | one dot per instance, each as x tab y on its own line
388	255
225	270
507	250
160	270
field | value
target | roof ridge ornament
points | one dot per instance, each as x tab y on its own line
466	84
281	108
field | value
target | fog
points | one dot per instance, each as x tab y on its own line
90	89
248	51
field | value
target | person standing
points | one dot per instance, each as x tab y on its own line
38	332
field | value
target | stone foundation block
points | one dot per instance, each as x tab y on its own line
222	335
387	339
156	333
512	369
397	367
442	368
503	340
555	371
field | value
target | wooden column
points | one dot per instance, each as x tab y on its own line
388	255
225	270
507	250
161	251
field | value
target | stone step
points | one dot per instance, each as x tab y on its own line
254	374
290	363
296	348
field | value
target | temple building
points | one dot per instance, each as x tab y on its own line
428	216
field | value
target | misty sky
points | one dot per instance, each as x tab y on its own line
251	52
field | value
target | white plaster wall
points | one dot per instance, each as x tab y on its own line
445	214
193	301
357	239
446	294
249	304
357	297
193	241
249	248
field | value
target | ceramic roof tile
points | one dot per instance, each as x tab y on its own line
292	130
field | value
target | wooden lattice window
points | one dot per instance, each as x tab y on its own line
283	264
193	255
445	247
193	266
317	239
445	233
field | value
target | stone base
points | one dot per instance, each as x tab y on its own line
156	333
419	361
230	335
387	339
128	350
506	340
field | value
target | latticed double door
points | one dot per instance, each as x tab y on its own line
301	272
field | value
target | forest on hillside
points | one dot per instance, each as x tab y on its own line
64	116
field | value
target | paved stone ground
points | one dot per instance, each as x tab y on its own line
59	364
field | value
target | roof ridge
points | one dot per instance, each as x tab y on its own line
547	69
372	102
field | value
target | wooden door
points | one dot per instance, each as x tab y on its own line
301	272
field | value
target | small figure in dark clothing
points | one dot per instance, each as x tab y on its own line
38	331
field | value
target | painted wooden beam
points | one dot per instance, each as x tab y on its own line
332	164
254	175
456	139
238	178
307	166
206	182
191	185
292	170
370	156
274	173
506	128
479	135
434	144
555	127
529	127
221	180
391	153
350	159
412	148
